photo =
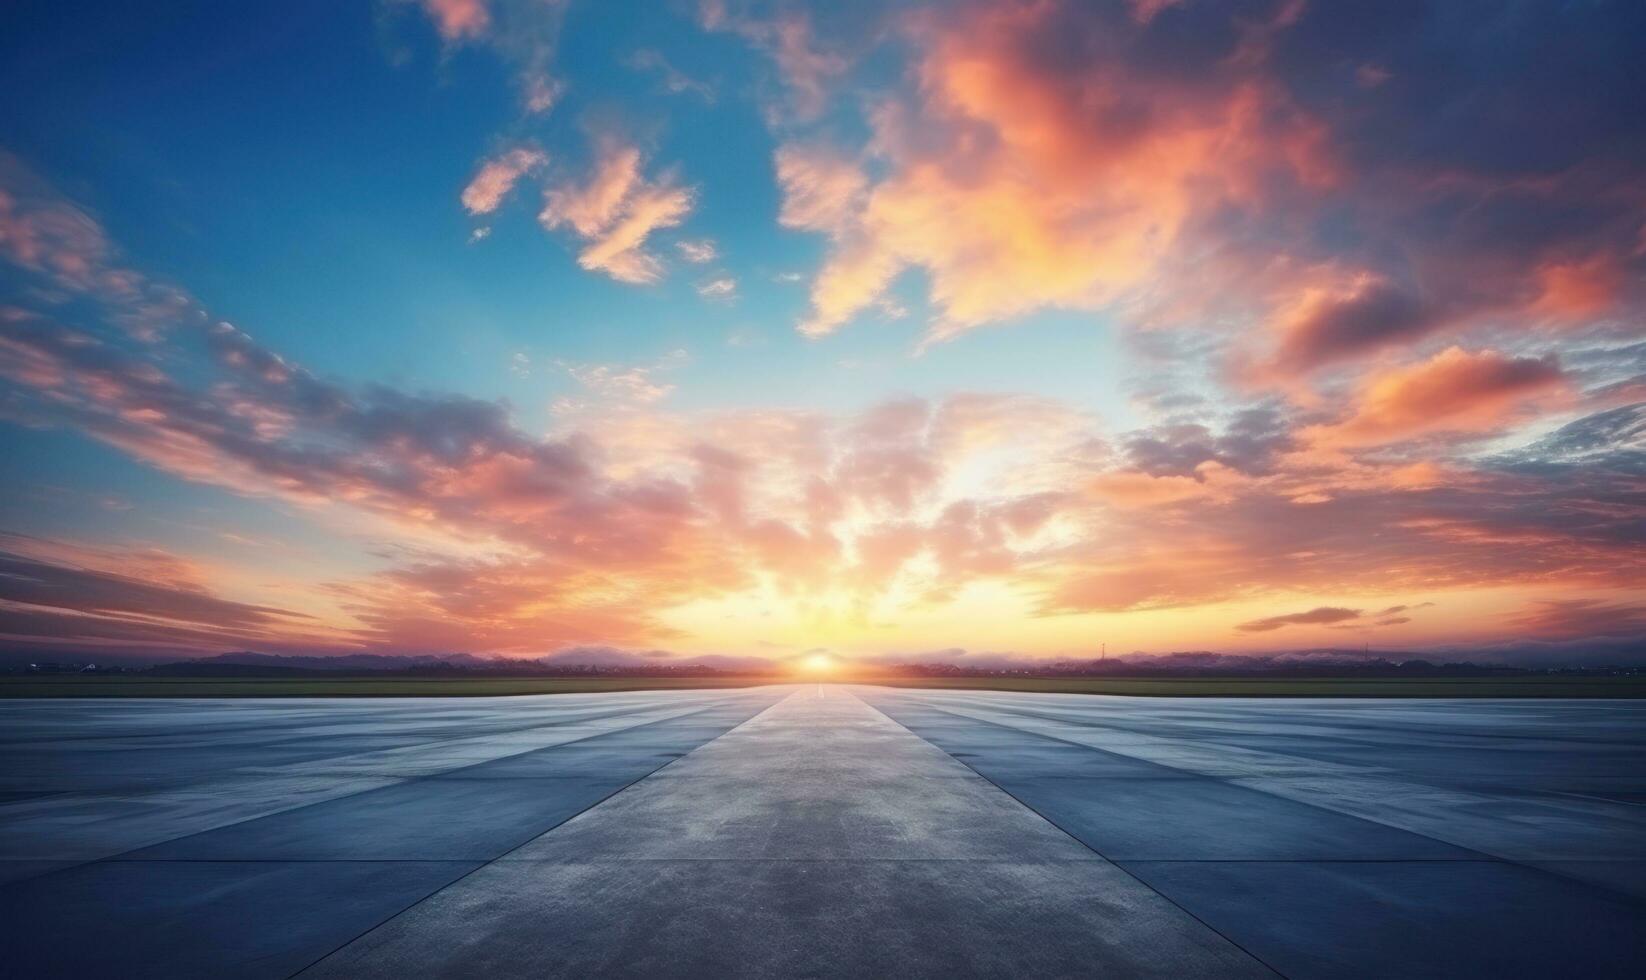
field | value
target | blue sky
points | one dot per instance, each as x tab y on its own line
510	326
302	179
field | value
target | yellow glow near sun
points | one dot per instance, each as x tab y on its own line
817	663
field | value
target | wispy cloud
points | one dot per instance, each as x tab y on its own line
1320	616
630	385
459	20
720	288
53	598
496	178
615	210
698	251
523	33
674	81
787	37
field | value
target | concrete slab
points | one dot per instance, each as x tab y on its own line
430	819
1323	838
1410	919
1199	819
819	777
12	869
1624	877
819	839
1517	820
1131	809
265	896
1312	858
783	918
471	814
203	919
125	782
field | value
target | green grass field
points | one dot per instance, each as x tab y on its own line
140	686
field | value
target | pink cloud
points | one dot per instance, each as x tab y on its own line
788	39
1017	185
619	252
595	205
522	542
821	188
1455	391
615	211
1575	291
1190	168
1321	616
1577	618
523	34
497	177
927	498
541	92
459	19
57	594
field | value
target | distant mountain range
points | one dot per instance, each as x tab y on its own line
614	660
577	659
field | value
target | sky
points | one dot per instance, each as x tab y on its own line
928	330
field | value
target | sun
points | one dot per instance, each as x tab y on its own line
817	663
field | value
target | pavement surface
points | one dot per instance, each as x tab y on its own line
821	830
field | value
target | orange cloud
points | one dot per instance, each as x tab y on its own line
529	543
508	539
1454	392
79	598
1575	291
1321	616
1017	185
1190	167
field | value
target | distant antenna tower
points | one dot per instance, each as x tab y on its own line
1105	654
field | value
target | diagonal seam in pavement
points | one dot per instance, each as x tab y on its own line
366	783
621	789
821	781
1226	937
1468	853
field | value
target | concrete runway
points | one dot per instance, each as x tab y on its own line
823	831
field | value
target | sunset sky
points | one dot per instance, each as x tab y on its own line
900	331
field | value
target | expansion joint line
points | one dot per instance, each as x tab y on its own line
481	867
1065	831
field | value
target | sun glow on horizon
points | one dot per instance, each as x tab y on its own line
819	663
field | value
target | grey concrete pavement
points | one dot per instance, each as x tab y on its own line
819	839
823	831
309	825
91	779
1343	838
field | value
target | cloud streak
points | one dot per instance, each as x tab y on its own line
615	210
497	177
